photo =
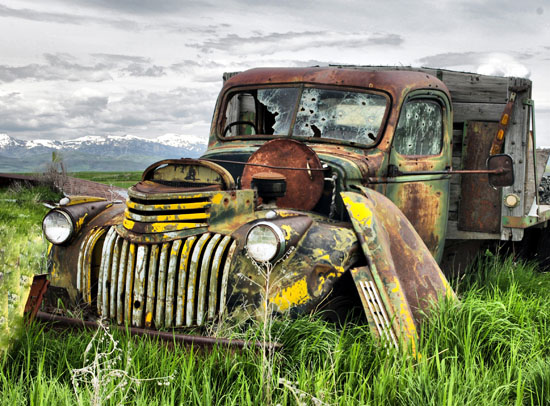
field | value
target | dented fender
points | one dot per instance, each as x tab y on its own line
401	279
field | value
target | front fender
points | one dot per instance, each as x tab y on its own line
401	279
63	259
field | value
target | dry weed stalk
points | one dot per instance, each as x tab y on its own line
267	285
101	358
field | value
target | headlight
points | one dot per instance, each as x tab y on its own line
58	227
265	242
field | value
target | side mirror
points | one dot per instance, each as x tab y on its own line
503	167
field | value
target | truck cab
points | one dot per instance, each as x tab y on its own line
370	128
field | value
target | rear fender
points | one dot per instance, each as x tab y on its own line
401	279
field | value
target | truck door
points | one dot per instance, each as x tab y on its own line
422	144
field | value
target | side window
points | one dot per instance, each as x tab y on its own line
266	111
420	128
240	115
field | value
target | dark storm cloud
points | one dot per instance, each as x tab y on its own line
17	115
58	67
146	7
118	58
28	14
187	64
67	67
501	11
63	18
78	115
85	107
486	63
266	44
137	69
452	59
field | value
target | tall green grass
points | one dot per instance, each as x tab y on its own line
22	251
490	348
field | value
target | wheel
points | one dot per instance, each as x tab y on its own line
240	122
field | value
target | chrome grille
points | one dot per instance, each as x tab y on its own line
171	284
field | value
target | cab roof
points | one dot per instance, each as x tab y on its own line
392	81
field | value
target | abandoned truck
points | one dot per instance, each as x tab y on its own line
320	186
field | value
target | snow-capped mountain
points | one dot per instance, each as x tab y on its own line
108	153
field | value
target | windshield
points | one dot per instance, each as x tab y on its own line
323	113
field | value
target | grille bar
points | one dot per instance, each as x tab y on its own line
105	273
121	282
182	280
114	276
192	284
139	285
203	281
217	262
161	286
166	207
151	285
170	284
84	267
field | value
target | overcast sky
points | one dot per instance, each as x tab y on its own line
71	68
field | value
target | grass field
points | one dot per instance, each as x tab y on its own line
120	179
491	348
22	247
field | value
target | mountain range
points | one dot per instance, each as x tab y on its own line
96	153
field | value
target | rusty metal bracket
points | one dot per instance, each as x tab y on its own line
498	141
199	341
39	286
525	221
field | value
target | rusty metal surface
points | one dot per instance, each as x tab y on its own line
479	207
150	187
192	171
405	273
391	81
38	288
525	221
304	278
303	188
61	321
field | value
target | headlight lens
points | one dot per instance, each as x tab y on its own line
265	242
58	227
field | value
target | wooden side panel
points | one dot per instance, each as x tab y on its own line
477	111
479	208
516	146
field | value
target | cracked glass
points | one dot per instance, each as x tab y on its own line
340	115
329	114
420	129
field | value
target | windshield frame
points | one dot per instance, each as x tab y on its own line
221	119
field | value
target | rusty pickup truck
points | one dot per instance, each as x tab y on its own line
322	188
